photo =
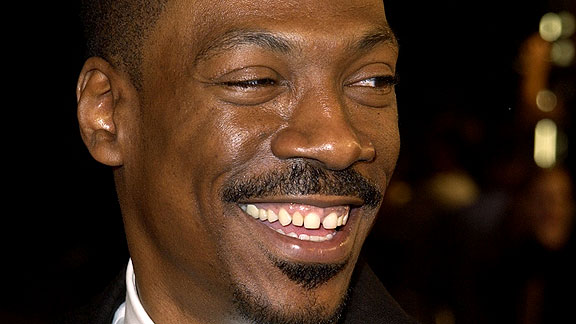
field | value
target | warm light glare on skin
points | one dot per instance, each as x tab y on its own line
545	136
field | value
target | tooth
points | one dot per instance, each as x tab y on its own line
304	237
297	219
272	217
280	231
284	217
243	207
262	214
340	219
331	221
294	235
345	220
252	211
312	221
318	238
329	237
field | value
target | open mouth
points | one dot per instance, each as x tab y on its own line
300	221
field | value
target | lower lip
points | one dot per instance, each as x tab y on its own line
335	250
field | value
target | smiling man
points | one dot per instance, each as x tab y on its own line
251	143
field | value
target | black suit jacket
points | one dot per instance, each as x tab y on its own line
369	303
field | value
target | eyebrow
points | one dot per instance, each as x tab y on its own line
238	37
378	36
283	45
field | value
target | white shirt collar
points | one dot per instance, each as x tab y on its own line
131	311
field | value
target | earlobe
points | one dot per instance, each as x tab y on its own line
97	105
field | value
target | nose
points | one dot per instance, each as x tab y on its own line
320	129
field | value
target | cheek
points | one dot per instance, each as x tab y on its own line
381	128
230	143
390	145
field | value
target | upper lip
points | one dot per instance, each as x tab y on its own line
321	201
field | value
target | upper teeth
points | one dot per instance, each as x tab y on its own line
310	220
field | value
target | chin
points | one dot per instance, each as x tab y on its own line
309	307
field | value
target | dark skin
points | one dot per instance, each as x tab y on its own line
233	90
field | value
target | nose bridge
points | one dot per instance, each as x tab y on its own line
321	129
326	114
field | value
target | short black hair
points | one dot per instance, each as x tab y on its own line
116	29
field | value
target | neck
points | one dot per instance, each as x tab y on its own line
171	296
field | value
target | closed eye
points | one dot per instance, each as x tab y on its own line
247	84
249	92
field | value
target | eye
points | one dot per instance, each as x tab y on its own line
376	91
247	84
378	82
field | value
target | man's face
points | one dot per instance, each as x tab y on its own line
266	137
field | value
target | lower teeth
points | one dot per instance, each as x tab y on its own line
305	237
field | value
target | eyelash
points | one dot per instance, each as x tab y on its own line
250	83
380	81
377	82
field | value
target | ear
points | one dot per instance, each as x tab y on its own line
98	95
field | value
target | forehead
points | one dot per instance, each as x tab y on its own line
200	21
231	10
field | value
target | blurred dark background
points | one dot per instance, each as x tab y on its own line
474	228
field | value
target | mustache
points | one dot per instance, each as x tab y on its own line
301	178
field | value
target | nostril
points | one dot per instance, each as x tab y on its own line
368	152
289	143
336	152
342	155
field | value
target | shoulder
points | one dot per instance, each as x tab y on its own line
101	310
